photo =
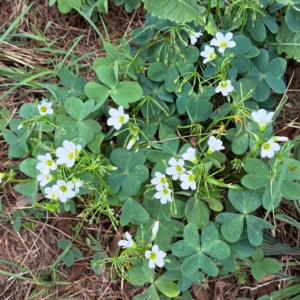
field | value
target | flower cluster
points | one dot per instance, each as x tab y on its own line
66	155
262	118
177	171
222	41
155	256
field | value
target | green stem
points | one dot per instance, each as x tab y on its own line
107	187
208	10
217	11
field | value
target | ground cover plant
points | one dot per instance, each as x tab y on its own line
171	139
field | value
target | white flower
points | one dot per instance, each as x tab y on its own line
208	53
222	41
45	108
67	154
159	179
52	192
132	142
188	181
176	168
224	87
118	118
77	184
20	126
280	138
155	228
194	37
65	190
163	193
214	144
128	243
46	163
45	177
268	149
262	118
190	155
156	257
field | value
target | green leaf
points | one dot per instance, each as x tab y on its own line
97	92
275	71
138	276
166	233
77	109
179	11
191	235
257	271
255	232
167	287
63	244
28	189
258	32
207	265
271	265
28	110
130	174
291	19
259	174
233	229
95	145
240	145
28	167
141	36
98	269
184	248
126	92
258	254
217	249
17	223
5	116
64	132
69	258
196	212
270	200
289	42
245	201
150	293
198	109
290	190
132	210
243	45
107	76
192	264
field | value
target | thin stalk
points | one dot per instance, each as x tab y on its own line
107	187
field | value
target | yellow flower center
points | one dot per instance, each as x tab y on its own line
223	44
165	191
211	55
43	109
121	119
178	168
223	84
162	180
63	188
49	163
266	146
71	155
191	178
153	256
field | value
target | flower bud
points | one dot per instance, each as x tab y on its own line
280	138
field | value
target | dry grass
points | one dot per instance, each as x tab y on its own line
35	249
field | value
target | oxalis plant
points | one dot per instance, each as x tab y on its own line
185	157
